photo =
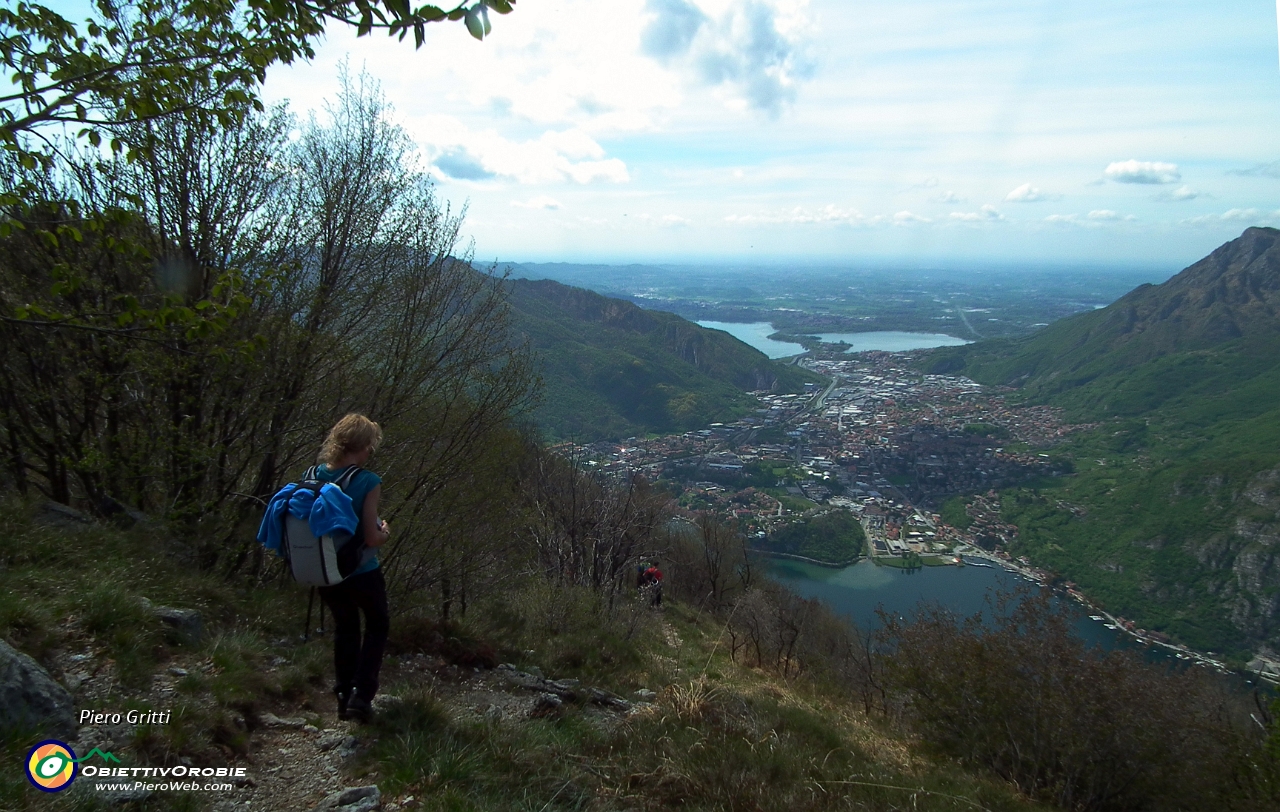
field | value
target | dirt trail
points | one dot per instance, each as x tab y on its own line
298	751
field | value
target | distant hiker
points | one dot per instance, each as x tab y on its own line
357	661
651	580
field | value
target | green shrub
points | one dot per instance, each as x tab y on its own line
572	630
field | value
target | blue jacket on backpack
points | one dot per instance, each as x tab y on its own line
326	513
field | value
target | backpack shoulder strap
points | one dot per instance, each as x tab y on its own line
345	479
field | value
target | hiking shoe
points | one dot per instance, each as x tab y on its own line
359	709
344	701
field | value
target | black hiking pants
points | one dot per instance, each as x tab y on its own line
357	661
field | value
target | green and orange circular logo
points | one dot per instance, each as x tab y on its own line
51	766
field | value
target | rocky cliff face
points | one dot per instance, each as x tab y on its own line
1183	379
1243	561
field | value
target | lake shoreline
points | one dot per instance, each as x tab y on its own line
761	336
838	565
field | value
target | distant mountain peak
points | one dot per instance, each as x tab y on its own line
1231	294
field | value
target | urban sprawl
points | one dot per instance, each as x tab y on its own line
881	440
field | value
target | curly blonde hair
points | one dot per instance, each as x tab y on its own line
353	433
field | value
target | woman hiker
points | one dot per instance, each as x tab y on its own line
357	661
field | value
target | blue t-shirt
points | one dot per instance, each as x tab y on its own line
358	488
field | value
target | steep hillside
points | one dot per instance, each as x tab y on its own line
1225	303
1180	485
611	369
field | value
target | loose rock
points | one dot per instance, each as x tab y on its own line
547	705
30	697
607	699
121	514
349	746
352	799
59	515
186	624
524	680
289	722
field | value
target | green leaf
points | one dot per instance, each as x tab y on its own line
474	24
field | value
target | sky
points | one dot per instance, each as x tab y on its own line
839	131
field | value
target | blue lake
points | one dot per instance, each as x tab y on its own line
757	335
892	340
857	591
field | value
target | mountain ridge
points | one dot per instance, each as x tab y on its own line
1233	293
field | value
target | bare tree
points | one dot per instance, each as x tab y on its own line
304	279
584	528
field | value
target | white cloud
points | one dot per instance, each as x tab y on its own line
1093	219
539	202
903	218
1026	193
1240	214
558	156
1180	194
987	213
1251	216
1271	170
1132	171
666	220
827	214
901	94
758	48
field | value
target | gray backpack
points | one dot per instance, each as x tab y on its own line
325	560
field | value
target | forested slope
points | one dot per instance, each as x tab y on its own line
611	369
1180	484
